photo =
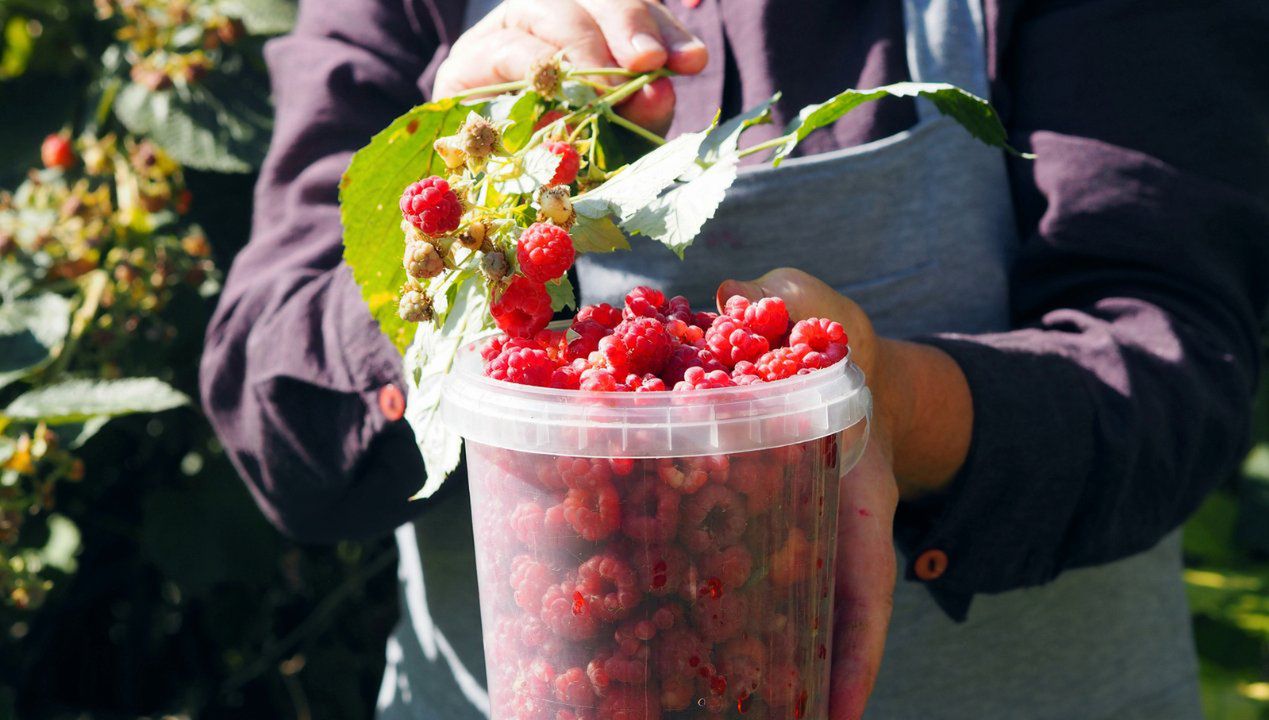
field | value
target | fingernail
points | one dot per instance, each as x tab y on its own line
685	46
645	43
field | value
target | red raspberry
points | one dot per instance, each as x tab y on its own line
587	334
720	618
715	517
523	309
792	562
778	364
544	251
554	342
743	661
683	477
697	379
629	669
603	313
627	703
647	383
612	355
684	357
731	566
431	206
819	333
732	342
759	480
570	161
529	579
522	366
568	377
583	473
683	332
498	343
598	380
56	152
679	308
651	512
609	585
595	513
768	317
567	613
645	302
662	568
528	522
704	319
572	687
547	118
647	344
681	653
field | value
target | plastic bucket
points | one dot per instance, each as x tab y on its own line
657	555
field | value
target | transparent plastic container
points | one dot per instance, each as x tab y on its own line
657	555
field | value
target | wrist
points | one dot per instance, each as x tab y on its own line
922	412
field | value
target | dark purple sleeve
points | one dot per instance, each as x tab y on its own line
1139	290
294	365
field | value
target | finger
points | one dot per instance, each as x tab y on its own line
865	583
632	33
502	55
564	24
804	294
652	107
688	55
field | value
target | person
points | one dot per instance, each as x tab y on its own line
1062	351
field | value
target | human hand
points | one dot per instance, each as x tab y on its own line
864	592
922	421
638	35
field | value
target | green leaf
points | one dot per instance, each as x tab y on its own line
562	294
221	123
975	114
597	235
676	218
77	401
577	94
30	330
525	174
262	17
520	112
368	196
642	181
725	139
15	53
427	362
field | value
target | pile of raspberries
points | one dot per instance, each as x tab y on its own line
660	588
653	344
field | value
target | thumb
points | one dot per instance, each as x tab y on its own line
748	288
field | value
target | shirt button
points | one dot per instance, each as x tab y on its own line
391	402
931	565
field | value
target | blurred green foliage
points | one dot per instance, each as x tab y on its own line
142	579
1227	576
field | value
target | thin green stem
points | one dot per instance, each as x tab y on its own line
605	71
491	89
648	135
768	145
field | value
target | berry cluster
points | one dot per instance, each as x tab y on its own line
652	344
692	587
519	247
